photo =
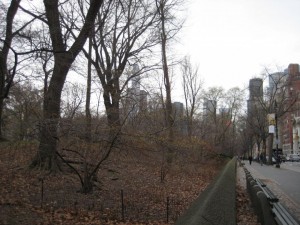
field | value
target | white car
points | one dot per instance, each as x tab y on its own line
294	158
273	159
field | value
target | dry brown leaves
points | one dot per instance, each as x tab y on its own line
245	212
146	200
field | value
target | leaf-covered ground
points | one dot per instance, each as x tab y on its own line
128	191
245	212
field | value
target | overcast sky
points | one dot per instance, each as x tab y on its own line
233	40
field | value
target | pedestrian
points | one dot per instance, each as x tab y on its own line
250	159
261	158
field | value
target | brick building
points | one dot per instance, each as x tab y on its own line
290	121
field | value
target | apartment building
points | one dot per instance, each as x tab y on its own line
290	121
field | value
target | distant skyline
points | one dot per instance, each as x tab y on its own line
233	40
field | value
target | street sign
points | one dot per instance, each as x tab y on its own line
271	129
271	119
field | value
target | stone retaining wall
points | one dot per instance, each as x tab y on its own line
216	205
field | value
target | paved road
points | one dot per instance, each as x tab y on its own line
284	182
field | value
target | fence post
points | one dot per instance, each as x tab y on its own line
42	191
168	202
122	201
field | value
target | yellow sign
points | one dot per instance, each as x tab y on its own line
271	119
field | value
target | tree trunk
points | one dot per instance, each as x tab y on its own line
2	90
190	126
46	157
4	76
167	82
113	115
264	145
270	149
88	131
1	119
170	119
87	185
169	116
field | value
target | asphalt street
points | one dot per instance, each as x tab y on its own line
284	181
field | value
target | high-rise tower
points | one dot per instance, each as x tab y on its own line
136	80
255	88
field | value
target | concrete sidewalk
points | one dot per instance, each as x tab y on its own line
295	166
287	201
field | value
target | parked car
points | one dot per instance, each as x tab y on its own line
283	158
273	159
294	157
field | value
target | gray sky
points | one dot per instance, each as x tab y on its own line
233	40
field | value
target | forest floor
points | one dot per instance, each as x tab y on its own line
130	191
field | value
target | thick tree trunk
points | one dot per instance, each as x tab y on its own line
46	156
113	116
87	185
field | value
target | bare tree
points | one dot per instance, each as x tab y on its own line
88	97
212	98
72	100
23	112
7	75
162	9
63	59
124	33
192	87
230	116
19	48
168	28
276	99
222	115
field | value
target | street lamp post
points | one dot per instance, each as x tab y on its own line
276	135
